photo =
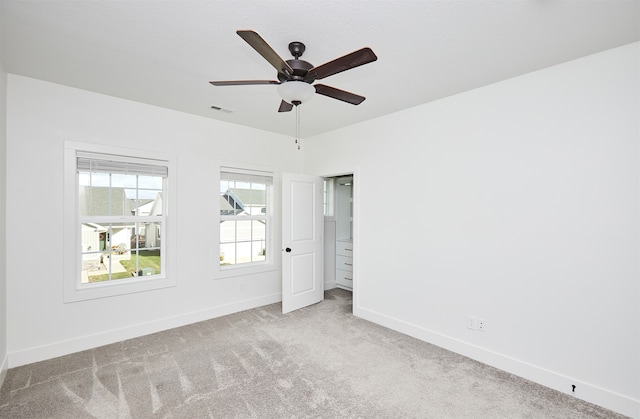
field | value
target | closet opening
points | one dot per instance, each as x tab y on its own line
338	217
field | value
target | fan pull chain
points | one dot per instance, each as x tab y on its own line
298	126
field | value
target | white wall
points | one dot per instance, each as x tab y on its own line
41	116
523	210
528	193
3	280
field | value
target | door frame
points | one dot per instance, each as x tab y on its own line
355	172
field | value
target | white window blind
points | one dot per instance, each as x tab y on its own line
245	176
94	165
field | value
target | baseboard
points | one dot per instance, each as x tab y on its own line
82	343
329	285
4	366
585	391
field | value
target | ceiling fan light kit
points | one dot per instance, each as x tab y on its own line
295	77
296	92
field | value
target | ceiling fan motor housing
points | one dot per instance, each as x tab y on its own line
300	71
300	67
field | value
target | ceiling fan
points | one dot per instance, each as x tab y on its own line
299	74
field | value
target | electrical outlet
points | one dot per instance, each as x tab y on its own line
482	325
472	323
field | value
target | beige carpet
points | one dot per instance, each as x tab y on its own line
316	362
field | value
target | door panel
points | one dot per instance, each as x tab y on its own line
302	201
302	241
300	265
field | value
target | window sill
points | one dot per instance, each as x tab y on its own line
239	270
83	292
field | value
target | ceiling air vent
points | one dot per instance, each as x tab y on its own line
218	108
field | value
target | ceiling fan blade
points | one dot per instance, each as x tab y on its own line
260	45
242	82
346	62
332	92
285	107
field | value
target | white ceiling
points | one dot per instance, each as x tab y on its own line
165	52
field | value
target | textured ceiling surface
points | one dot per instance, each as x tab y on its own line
165	52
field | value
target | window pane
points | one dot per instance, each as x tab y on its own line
94	237
98	179
227	254
119	204
117	195
105	251
105	237
243	252
231	203
150	182
243	196
136	207
243	230
145	263
98	267
259	230
228	232
259	242
138	238
224	185
147	194
328	197
153	235
94	201
119	235
257	201
109	266
99	200
119	180
259	250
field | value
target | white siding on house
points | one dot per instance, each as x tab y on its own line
91	238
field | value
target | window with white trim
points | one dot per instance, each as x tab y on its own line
121	215
116	221
245	217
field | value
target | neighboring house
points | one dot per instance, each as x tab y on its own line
151	231
96	200
230	204
99	201
144	210
235	201
95	237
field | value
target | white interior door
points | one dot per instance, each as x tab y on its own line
302	241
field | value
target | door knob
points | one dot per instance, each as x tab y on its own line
288	250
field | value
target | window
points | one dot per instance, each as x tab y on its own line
328	194
118	221
245	217
121	215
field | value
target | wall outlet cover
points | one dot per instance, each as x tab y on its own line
472	323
